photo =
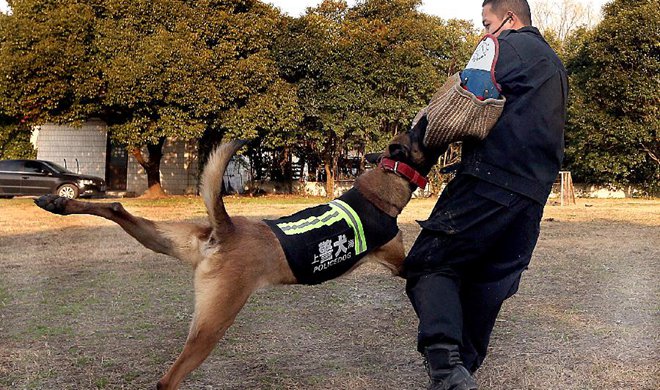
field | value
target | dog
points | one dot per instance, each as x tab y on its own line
233	256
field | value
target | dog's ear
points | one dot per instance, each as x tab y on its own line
398	152
419	130
373	158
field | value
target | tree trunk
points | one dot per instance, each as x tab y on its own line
151	165
331	167
362	152
286	166
329	179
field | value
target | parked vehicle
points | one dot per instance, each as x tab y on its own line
38	177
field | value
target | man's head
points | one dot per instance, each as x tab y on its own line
500	15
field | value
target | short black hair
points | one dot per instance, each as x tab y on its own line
518	7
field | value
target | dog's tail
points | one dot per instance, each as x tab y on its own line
211	187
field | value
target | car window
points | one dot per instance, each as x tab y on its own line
58	168
34	167
11	166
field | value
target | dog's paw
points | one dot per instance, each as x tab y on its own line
53	203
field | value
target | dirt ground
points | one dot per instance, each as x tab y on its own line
83	305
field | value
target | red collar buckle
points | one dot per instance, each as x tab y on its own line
404	170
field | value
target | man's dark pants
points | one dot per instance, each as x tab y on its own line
467	260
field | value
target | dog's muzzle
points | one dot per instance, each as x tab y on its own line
455	114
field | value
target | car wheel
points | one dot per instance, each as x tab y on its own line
68	191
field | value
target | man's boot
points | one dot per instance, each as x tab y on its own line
446	371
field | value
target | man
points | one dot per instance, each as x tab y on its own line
480	235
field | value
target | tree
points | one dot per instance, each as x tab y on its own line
410	55
614	111
363	72
151	69
561	17
179	68
15	139
49	70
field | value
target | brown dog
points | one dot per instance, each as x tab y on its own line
235	256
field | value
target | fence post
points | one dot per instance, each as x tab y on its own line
567	192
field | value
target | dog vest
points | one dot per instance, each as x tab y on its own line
324	242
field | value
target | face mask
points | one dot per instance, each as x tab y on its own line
508	17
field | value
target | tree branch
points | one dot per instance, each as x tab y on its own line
137	153
650	153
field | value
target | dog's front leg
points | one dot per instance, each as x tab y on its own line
141	229
221	290
392	254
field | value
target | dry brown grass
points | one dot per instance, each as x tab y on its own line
82	305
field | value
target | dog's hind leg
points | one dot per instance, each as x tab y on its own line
145	231
221	290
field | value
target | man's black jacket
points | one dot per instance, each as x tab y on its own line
524	151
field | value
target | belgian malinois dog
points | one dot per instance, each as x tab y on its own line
234	256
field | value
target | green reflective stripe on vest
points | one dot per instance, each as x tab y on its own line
339	211
304	225
354	222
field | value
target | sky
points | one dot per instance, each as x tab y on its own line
447	9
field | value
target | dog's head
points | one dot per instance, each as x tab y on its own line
409	148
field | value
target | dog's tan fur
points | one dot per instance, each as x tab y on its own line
234	256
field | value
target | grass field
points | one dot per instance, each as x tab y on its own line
83	306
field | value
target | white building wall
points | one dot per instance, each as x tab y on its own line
237	175
87	144
178	169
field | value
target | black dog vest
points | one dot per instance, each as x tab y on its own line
324	242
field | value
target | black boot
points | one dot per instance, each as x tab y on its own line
443	362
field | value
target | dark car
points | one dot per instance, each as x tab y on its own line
38	177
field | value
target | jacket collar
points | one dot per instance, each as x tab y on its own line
525	29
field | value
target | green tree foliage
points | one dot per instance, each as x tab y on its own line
15	140
152	69
48	66
334	80
614	112
363	72
406	55
179	68
14	136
